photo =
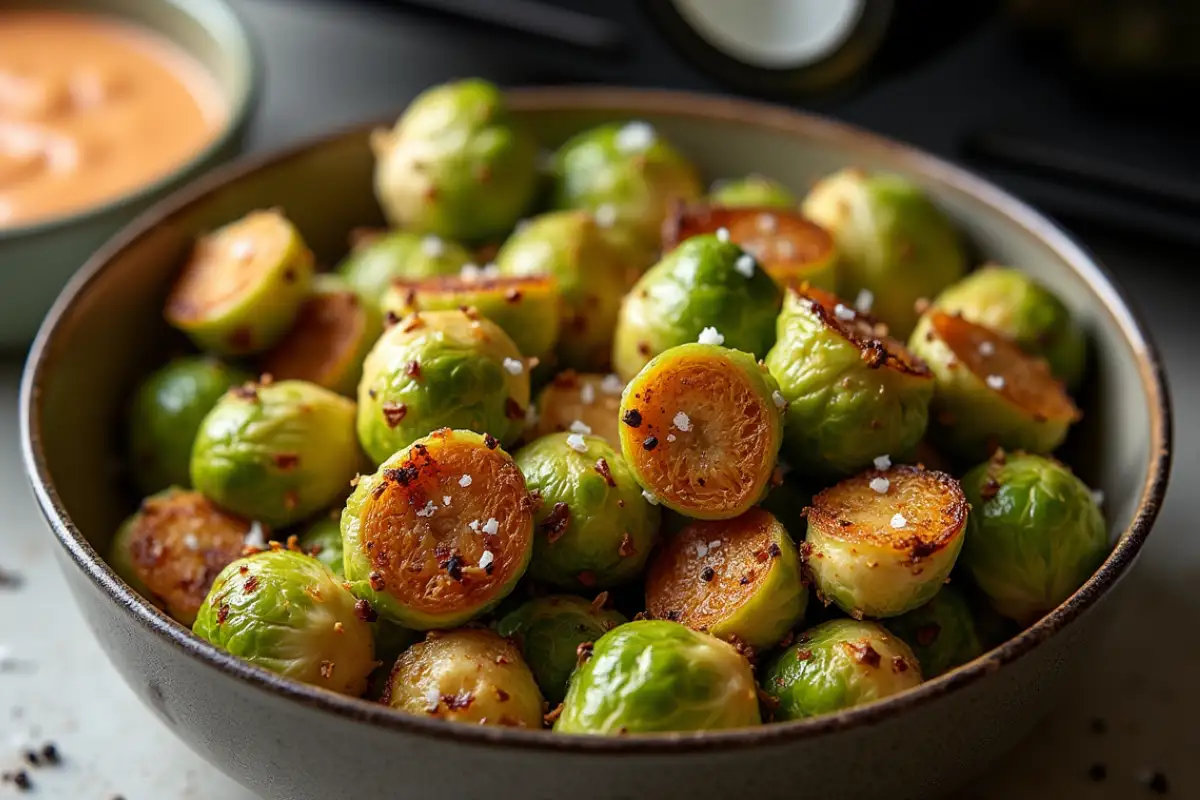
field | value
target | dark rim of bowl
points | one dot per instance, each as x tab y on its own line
223	20
946	178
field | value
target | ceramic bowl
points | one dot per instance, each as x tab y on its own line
37	259
288	740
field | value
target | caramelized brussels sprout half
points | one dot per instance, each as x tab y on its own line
941	633
589	398
322	539
752	191
883	542
441	533
399	255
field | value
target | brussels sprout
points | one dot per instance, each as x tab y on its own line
627	172
593	399
941	633
172	548
892	242
1014	304
441	533
787	502
322	540
526	309
456	164
243	285
440	369
988	393
752	191
399	255
657	676
701	430
836	665
467	675
883	542
703	283
592	276
166	413
736	579
789	247
276	452
549	631
851	391
332	335
284	611
1035	534
594	528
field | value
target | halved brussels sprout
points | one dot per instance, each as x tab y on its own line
892	242
883	542
1035	534
592	399
789	247
441	533
657	676
333	333
166	412
456	164
322	540
1011	303
988	392
276	452
440	369
172	548
592	276
469	675
736	579
526	309
626	173
752	191
594	528
836	665
286	612
549	631
704	283
941	633
852	392
701	430
399	255
243	285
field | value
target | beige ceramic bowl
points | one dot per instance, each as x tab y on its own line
288	740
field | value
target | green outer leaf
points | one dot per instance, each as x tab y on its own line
325	533
371	268
941	633
752	191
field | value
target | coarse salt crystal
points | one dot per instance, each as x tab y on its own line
883	462
767	223
723	234
682	421
474	525
531	415
434	698
701	550
469	272
843	313
491	526
986	348
745	265
465	481
587	394
635	137
670	437
428	510
605	215
579	426
514	366
486	559
714	544
898	521
611	384
191	542
575	442
255	537
995	382
650	498
778	399
445	499
433	246
864	301
880	485
711	336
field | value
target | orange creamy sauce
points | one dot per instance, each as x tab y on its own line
92	108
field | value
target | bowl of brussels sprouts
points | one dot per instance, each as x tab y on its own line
718	449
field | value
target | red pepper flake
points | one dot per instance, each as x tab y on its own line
556	522
363	610
587	578
412	323
803	654
376	581
251	584
470	312
928	634
864	653
391	319
393	413
413	370
293	544
243	569
899	664
632	418
532	502
583	652
247	391
643	348
458	702
501	695
286	461
490	442
222	613
513	295
553	715
600	601
513	410
327	669
606	473
627	548
769	702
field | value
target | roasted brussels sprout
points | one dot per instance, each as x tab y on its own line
1035	534
592	399
788	500
276	452
399	255
549	631
441	533
701	429
852	392
468	675
333	333
941	633
322	540
1011	303
789	247
753	191
286	612
526	309
166	413
243	285
456	164
594	528
988	393
657	676
736	579
170	550
440	369
592	276
892	242
836	665
883	542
